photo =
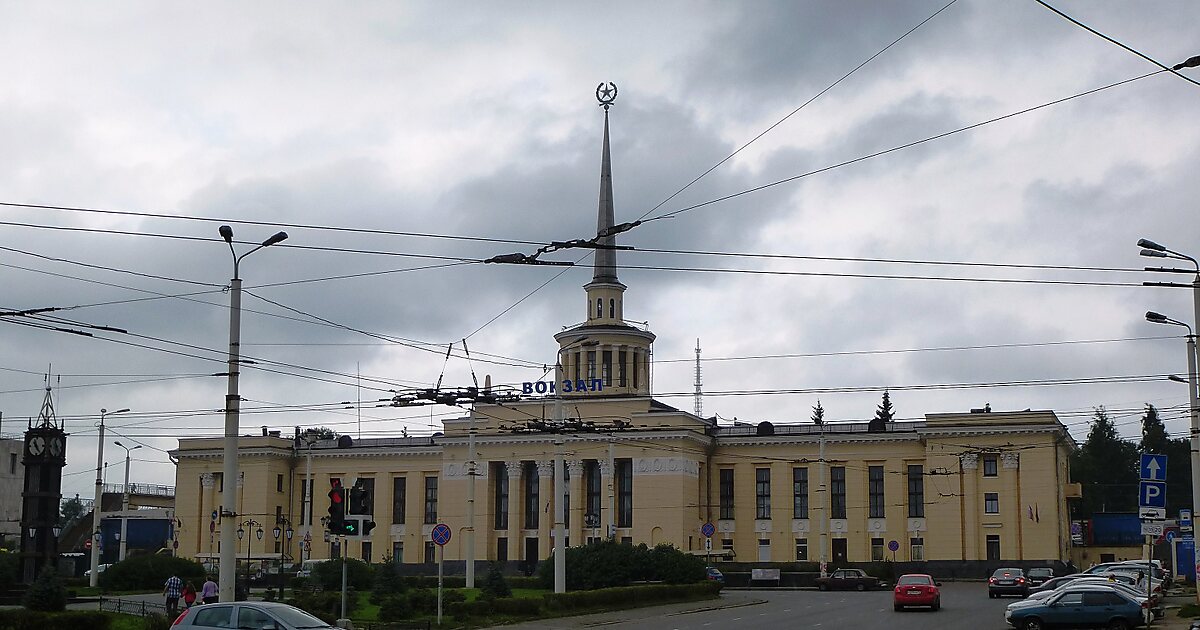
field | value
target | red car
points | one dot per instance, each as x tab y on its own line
916	589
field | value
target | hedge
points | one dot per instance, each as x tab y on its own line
631	596
21	619
151	572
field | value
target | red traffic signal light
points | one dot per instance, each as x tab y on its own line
337	506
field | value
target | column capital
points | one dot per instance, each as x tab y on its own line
605	468
1011	460
969	461
545	468
575	469
513	468
208	480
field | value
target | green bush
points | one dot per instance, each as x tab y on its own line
10	565
329	575
394	608
149	572
47	593
608	564
21	619
422	601
327	605
156	621
495	584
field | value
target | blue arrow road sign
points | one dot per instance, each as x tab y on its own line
1152	494
1154	467
1170	535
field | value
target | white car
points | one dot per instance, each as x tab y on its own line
99	569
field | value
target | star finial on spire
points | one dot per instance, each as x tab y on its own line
606	93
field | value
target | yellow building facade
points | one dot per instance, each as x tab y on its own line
980	487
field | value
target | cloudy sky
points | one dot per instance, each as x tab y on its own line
401	143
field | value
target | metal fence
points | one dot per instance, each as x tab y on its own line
145	489
132	606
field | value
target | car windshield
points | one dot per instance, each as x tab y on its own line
1007	573
906	580
298	618
1041	572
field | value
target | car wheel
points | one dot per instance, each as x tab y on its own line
937	605
1032	623
860	587
1118	624
898	607
822	587
991	596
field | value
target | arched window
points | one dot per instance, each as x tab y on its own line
599	307
612	308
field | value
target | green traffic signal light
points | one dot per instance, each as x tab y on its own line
350	527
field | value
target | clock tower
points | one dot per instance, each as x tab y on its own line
45	454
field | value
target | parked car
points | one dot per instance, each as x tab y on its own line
1038	575
916	589
714	574
1055	583
846	579
1075	606
1096	580
1008	581
306	567
248	615
99	569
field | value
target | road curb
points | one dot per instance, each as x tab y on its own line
753	602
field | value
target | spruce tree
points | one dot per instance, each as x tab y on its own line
818	415
47	593
884	411
1107	466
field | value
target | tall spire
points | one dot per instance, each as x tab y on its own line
606	258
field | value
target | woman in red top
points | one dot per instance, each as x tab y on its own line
189	595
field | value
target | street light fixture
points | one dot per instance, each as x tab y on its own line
125	502
1156	250
94	578
241	533
228	570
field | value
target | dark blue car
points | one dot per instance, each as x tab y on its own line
1078	606
714	574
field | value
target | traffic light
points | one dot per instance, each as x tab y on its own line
349	527
337	506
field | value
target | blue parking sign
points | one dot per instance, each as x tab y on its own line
1152	494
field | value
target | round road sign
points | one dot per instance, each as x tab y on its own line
440	534
893	545
1170	535
214	515
708	530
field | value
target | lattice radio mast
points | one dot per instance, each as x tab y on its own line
699	406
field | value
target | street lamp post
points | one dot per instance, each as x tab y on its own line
241	533
1154	250
125	503
287	547
228	560
94	578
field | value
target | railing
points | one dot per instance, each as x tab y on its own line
830	429
131	607
144	489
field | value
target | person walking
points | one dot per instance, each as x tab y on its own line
208	592
173	589
189	594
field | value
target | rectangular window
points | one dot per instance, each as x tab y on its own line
430	552
304	516
916	549
801	549
278	547
762	493
837	492
591	364
627	540
875	491
366	487
916	491
12	463
621	356
502	549
278	483
398	552
876	550
726	544
366	552
993	547
624	492
278	514
636	358
591	516
399	498
531	495
431	500
989	466
991	503
799	493
501	497
726	493
577	364
606	359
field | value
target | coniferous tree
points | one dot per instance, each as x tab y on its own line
1107	466
818	415
1155	439
884	411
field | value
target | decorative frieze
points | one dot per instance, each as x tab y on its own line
462	470
666	466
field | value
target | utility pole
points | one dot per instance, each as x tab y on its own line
471	455
560	547
93	580
823	491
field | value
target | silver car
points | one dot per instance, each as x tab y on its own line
252	615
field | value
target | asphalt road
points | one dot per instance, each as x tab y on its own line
965	606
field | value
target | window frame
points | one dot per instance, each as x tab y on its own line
991	465
837	492
399	499
762	493
800	492
431	499
991	502
726	493
916	491
877	507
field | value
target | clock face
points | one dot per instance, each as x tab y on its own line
56	446
37	445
